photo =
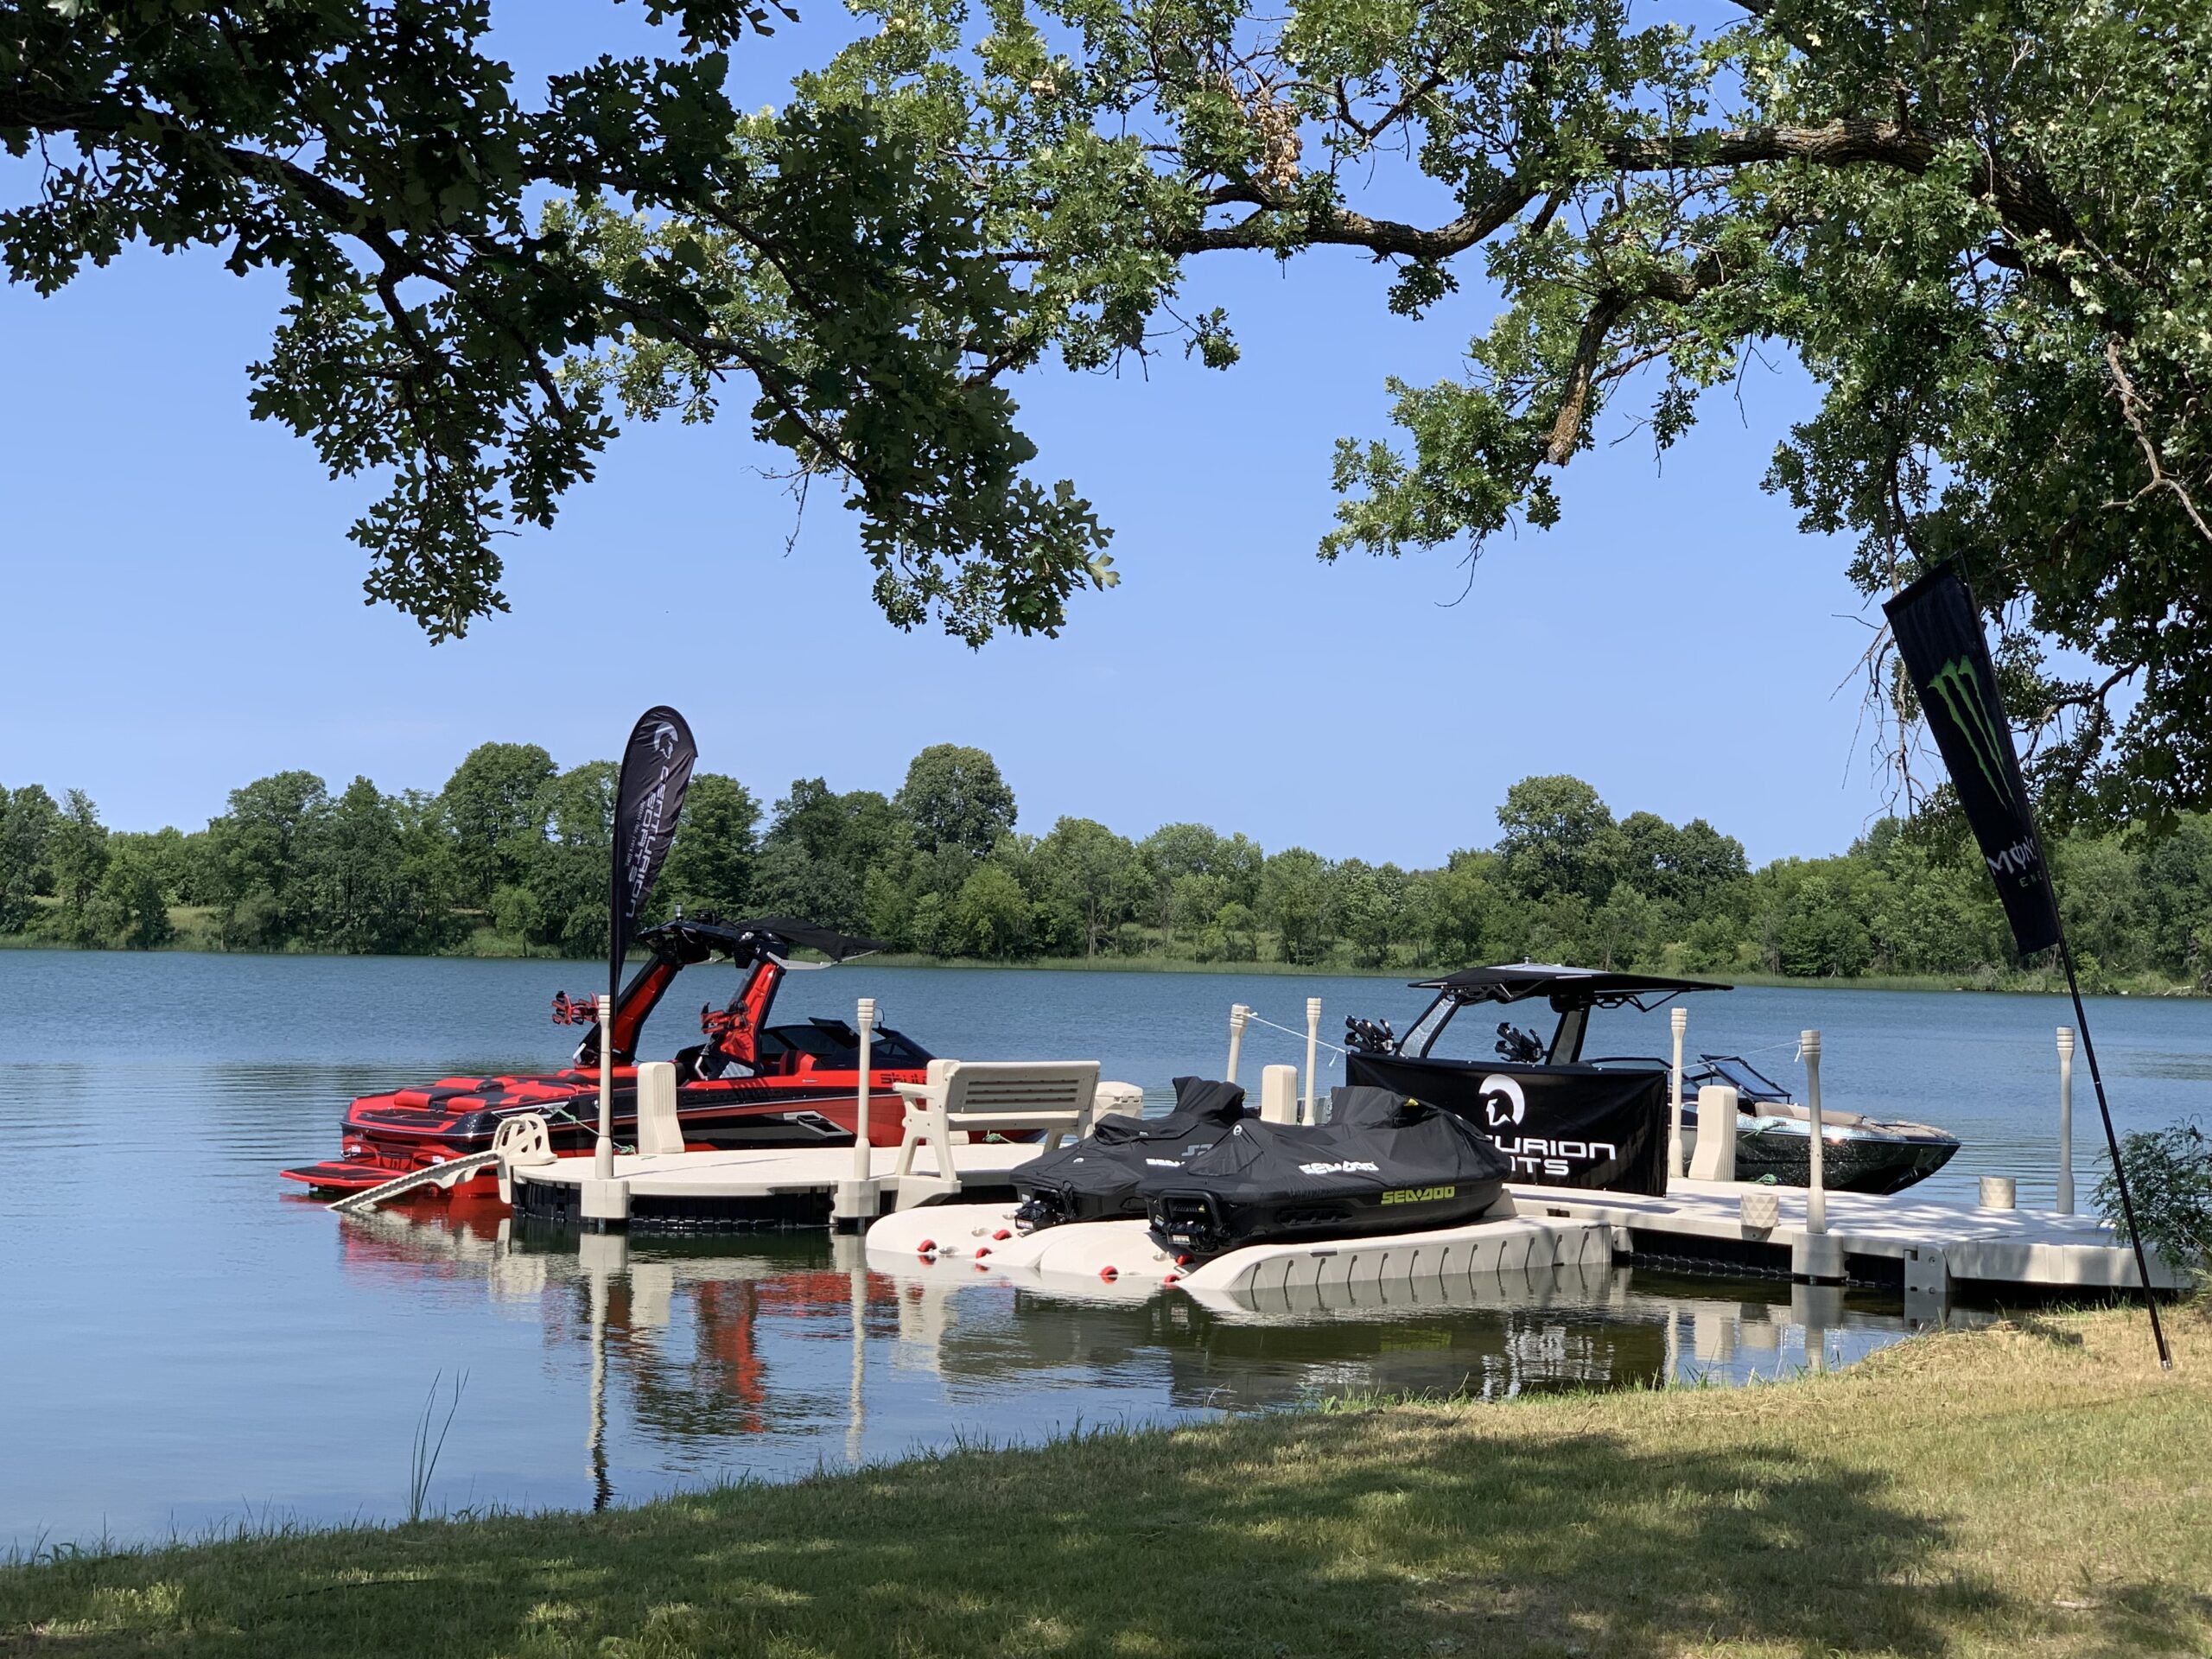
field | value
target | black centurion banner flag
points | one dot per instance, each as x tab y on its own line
1939	635
655	771
1560	1126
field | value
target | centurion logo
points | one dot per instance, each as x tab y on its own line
1503	1107
1503	1102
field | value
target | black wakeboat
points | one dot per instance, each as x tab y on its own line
1563	1120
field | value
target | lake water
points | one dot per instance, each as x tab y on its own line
187	1346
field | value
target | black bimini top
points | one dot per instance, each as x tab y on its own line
1565	987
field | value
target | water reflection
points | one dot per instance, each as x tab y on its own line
777	1353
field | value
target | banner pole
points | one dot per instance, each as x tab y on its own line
2112	1146
602	1152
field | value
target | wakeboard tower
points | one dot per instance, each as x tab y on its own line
748	1084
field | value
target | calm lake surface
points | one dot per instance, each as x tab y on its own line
187	1347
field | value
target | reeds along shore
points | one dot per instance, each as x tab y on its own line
2036	1489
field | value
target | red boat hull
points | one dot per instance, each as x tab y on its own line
387	1135
749	1084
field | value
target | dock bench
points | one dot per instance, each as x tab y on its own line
965	1098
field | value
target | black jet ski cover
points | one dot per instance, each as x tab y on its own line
1382	1164
1097	1178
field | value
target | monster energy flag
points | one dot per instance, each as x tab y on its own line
655	771
1939	635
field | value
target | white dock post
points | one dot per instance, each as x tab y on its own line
2065	1120
602	1152
1313	1053
1279	1094
1679	1019
858	1201
1816	1191
1238	1013
1816	1256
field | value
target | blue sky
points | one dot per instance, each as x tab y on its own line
185	610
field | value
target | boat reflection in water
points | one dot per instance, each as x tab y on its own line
772	1355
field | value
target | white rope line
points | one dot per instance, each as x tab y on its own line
1255	1018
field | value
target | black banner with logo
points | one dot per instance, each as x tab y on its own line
1557	1125
656	772
1939	637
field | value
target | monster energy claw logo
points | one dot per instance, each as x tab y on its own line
1959	684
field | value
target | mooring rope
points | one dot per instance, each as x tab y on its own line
1256	1020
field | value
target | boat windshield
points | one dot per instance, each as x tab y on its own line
1736	1073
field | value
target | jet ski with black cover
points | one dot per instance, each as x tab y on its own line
747	1085
1382	1163
1100	1178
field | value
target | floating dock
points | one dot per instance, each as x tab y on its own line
1901	1242
736	1192
1926	1251
1119	1254
1920	1247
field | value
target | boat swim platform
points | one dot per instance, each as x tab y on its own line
743	1190
1920	1247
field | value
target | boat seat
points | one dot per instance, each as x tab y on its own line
960	1099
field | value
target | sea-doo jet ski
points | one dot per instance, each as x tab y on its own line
1100	1177
748	1084
1382	1163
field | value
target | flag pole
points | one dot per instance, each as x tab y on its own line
2112	1146
602	1150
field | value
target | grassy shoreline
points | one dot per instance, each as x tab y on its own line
496	950
2036	1489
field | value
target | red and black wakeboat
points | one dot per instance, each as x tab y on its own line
747	1084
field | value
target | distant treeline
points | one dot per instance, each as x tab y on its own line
512	855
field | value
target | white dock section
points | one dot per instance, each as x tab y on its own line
1924	1246
712	1181
1935	1243
1117	1258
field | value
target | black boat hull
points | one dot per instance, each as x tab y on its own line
1858	1165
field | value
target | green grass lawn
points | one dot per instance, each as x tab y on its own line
2039	1489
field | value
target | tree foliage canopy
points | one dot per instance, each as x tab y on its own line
443	333
1978	225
